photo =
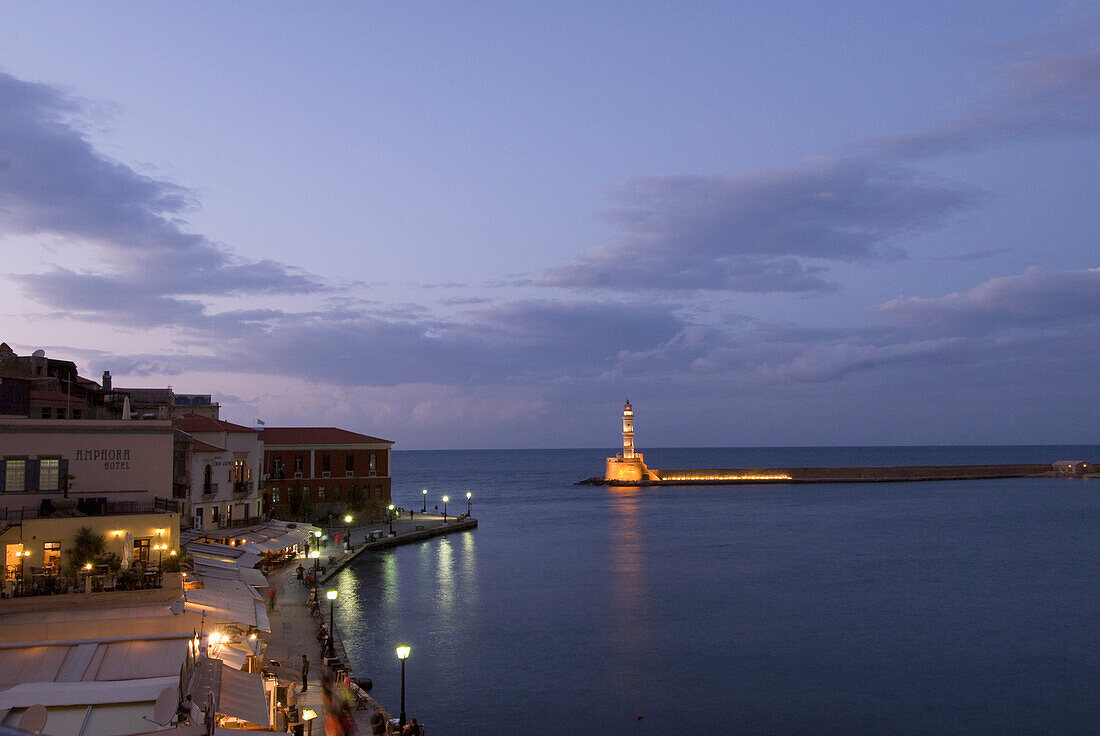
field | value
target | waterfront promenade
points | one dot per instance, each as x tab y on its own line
293	628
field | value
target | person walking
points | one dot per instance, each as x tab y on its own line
305	671
271	599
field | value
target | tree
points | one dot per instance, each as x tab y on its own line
88	544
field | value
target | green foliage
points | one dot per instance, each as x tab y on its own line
171	564
88	545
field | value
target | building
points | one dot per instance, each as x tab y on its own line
628	465
224	470
317	471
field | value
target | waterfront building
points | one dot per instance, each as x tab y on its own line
322	471
628	465
224	472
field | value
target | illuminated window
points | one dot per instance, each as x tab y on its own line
141	549
51	554
16	475
320	492
372	463
274	495
49	474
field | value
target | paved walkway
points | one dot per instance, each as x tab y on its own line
294	633
293	628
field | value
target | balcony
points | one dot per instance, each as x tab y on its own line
242	489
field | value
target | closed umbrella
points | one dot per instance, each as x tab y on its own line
127	550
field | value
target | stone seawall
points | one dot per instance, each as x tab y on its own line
869	474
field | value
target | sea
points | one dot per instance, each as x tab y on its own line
950	607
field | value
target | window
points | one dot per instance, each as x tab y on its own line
45	412
51	554
373	466
274	495
349	462
60	413
16	475
336	493
198	517
320	493
76	414
49	474
326	463
297	463
141	549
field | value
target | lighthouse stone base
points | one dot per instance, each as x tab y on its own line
631	469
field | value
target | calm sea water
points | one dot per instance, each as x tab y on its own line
885	608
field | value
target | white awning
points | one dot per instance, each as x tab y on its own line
85	693
242	696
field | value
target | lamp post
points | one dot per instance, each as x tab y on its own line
390	509
468	497
317	539
347	529
445	500
425	508
331	595
316	555
403	654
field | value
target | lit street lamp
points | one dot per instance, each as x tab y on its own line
390	509
347	529
445	500
468	497
425	509
403	654
331	595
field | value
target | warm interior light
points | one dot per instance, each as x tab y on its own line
403	652
331	595
309	714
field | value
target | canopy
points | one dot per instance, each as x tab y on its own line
242	696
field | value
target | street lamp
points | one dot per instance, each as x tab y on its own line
403	654
445	500
331	595
316	555
468	497
425	509
390	509
347	528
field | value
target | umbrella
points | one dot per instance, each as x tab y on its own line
127	550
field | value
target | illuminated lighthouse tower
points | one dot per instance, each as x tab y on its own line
628	431
628	465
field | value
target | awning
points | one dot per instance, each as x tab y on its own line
86	693
242	696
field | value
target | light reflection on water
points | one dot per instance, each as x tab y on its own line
954	607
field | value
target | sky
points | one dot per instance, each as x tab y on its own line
487	225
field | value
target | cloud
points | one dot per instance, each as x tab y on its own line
1045	96
54	182
1029	300
755	232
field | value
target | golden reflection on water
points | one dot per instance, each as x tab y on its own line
627	569
391	590
445	577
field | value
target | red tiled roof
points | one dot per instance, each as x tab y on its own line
316	436
43	395
192	423
200	446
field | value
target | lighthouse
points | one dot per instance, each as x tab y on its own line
628	431
628	466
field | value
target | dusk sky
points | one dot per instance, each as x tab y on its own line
476	225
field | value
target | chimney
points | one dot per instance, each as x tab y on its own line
106	380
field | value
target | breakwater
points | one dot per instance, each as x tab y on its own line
856	474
